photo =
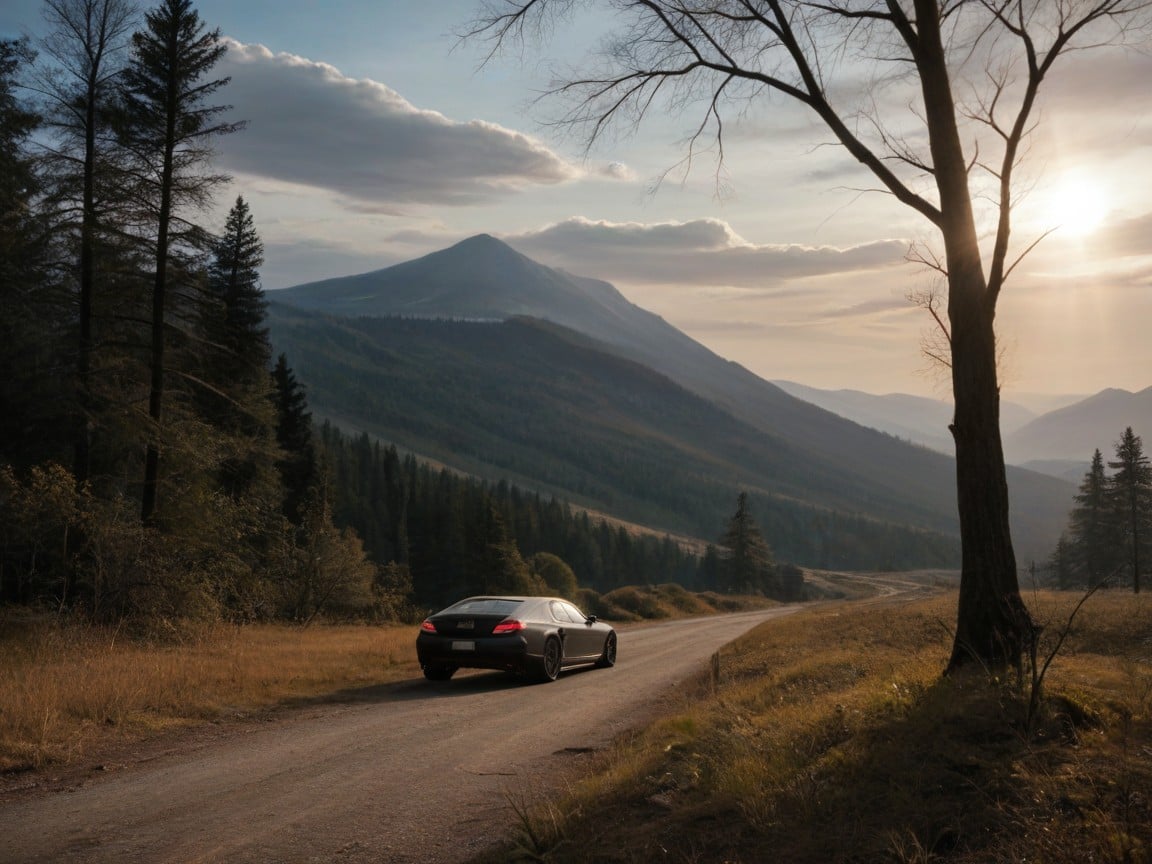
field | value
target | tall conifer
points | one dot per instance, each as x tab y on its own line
1132	497
1093	538
235	390
234	287
86	42
747	559
31	316
298	464
168	128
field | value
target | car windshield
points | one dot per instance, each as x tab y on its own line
484	606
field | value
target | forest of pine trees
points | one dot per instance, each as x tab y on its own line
1109	536
150	463
154	460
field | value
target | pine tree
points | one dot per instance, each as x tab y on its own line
1093	538
298	463
746	557
167	128
33	314
86	41
498	567
235	390
1131	494
238	299
1062	562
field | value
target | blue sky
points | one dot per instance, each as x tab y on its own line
375	136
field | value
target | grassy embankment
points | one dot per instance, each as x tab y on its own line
831	737
69	691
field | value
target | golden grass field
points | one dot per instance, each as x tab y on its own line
66	691
830	736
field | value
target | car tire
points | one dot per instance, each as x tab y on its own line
608	658
439	673
551	660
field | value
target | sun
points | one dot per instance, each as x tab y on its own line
1077	205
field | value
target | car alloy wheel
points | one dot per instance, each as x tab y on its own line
608	658
550	662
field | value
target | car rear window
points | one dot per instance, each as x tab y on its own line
484	606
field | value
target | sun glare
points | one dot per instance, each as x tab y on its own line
1077	206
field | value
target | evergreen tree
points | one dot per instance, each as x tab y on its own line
1131	493
1062	563
708	576
235	389
31	312
1093	538
238	300
85	42
298	462
167	128
746	557
499	568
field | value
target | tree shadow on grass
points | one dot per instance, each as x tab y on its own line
946	776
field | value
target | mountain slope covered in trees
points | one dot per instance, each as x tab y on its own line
549	409
482	279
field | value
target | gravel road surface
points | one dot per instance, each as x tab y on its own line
407	773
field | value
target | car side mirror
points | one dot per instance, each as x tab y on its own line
591	619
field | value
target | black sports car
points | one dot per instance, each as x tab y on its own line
535	637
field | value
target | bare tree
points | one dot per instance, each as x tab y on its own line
974	69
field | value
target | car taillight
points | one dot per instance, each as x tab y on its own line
427	626
509	625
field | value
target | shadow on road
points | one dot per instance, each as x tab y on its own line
464	683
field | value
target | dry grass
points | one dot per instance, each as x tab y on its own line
832	738
67	690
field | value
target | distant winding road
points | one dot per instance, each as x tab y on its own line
409	772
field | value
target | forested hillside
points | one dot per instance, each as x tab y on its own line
446	527
549	409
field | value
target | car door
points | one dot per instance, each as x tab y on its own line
584	639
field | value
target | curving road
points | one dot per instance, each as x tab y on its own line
410	772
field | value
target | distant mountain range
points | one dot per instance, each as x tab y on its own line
1059	442
610	406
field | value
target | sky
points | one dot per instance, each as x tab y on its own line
375	135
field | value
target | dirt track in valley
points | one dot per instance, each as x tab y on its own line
405	773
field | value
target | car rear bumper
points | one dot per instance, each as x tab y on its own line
492	652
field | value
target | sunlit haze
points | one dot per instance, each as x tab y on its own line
375	136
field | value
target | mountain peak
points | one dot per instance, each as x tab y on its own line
480	243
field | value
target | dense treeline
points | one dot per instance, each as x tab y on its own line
438	525
1109	536
149	463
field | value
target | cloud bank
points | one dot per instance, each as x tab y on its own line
698	252
309	124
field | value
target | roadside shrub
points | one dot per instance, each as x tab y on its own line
681	599
640	602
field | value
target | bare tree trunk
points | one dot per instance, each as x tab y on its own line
148	502
993	626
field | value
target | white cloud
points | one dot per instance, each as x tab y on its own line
310	124
704	252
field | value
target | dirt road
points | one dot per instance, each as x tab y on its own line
410	772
